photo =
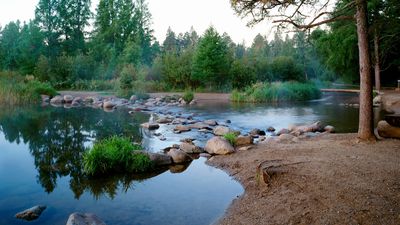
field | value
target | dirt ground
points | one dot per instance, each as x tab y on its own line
331	179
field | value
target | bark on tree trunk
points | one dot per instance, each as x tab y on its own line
365	126
377	62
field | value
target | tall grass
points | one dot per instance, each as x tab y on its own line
17	90
277	92
115	154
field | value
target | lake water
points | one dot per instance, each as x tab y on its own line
41	150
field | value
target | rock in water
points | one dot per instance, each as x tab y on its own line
178	156
388	131
57	100
190	148
108	104
329	129
150	126
31	213
221	130
68	99
84	219
219	146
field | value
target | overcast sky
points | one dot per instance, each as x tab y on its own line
180	15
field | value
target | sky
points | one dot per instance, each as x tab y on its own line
180	15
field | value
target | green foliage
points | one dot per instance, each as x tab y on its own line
211	61
231	137
242	74
188	96
115	154
277	92
284	68
16	90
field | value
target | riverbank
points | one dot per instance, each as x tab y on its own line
330	179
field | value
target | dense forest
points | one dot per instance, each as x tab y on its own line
62	46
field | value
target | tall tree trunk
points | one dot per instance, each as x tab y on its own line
365	126
377	61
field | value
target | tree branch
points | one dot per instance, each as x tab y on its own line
312	24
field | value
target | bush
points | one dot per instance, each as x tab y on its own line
277	92
188	96
115	154
16	89
231	137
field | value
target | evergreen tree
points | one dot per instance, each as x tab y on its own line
211	61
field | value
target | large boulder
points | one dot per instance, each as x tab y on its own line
200	125
391	103
57	100
190	148
157	159
178	156
317	126
218	146
221	130
84	219
31	213
388	131
243	140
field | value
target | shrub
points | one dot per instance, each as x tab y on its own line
231	137
115	154
188	96
15	89
277	92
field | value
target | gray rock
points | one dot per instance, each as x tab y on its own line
108	104
377	100
200	125
218	146
270	129
160	159
211	122
133	98
68	98
178	156
243	140
329	129
163	120
84	219
221	130
190	148
283	131
45	98
181	128
150	126
31	213
57	100
388	131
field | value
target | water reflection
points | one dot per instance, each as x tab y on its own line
57	138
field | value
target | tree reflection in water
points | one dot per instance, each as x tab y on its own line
57	138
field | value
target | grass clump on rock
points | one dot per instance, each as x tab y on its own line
115	154
277	92
188	96
231	138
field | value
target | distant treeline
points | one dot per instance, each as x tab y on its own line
59	47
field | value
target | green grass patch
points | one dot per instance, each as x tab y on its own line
231	137
115	155
18	90
277	92
188	96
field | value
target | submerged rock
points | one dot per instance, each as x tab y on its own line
211	122
84	219
218	146
31	213
108	104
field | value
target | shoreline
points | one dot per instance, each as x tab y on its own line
330	179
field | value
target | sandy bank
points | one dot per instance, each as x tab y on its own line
326	180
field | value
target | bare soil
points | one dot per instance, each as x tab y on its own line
331	179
